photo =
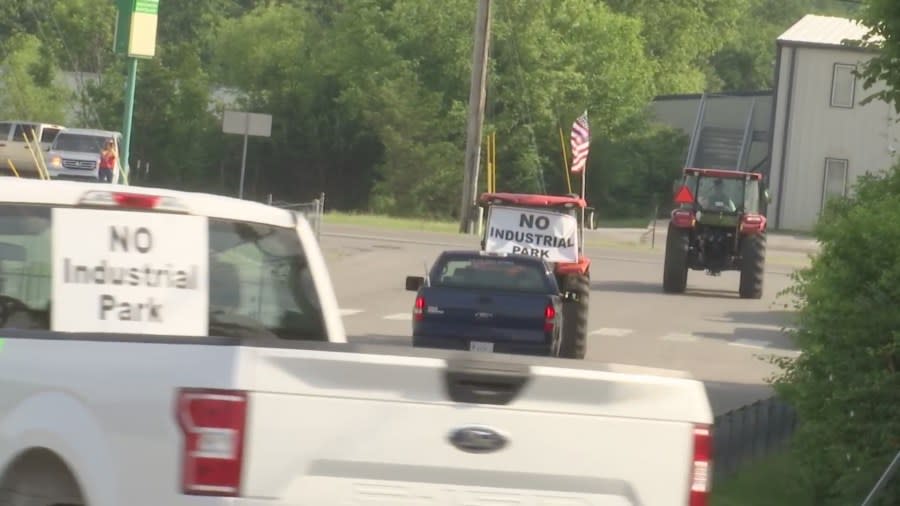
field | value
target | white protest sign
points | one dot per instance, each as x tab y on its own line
545	234
130	272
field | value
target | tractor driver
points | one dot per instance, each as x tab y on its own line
718	198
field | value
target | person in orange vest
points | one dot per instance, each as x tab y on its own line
107	162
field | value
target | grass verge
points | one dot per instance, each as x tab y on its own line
449	226
770	481
380	221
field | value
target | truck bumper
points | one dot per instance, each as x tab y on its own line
457	343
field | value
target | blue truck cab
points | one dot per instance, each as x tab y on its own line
486	302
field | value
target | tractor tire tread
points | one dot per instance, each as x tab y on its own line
675	268
575	317
753	266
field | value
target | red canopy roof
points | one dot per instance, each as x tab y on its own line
531	200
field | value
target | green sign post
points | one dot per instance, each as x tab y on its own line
136	38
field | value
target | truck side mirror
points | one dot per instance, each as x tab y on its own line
413	283
767	196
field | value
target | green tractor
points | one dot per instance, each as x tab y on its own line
719	224
550	227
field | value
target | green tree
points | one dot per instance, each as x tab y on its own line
30	82
634	171
883	17
682	36
547	69
289	62
746	61
397	73
846	385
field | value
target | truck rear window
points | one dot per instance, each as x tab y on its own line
486	273
258	285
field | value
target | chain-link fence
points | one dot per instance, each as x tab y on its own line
312	211
750	432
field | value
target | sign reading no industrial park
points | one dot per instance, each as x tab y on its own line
548	235
130	273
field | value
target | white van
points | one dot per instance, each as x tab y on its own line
14	148
75	154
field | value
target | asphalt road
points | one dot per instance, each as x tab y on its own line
708	331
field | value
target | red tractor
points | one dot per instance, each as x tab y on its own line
717	226
550	227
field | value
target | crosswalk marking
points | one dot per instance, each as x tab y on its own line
750	343
676	337
610	332
399	316
680	337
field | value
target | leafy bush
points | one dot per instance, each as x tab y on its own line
846	385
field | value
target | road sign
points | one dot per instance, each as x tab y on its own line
136	25
246	124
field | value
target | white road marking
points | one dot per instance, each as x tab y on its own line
787	353
610	332
399	316
681	338
350	312
750	343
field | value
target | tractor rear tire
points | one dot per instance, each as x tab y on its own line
753	266
675	269
575	316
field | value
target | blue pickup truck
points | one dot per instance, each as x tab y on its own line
488	302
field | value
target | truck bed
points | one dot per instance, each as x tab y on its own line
348	424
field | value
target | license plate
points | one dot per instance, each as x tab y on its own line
481	346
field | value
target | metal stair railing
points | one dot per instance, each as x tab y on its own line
695	135
883	481
748	136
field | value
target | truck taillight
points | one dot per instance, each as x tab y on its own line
549	317
132	201
212	423
419	308
701	468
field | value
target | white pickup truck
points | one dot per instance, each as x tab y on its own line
161	348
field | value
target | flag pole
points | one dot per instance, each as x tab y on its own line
562	143
587	159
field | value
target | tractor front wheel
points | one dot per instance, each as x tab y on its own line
753	266
575	316
675	268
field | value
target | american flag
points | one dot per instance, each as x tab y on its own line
581	142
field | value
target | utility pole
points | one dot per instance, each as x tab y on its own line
476	115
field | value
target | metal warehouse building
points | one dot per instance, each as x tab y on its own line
822	138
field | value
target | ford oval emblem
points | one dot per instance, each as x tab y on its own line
477	439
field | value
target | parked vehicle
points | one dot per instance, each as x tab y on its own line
489	302
14	141
75	154
180	349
